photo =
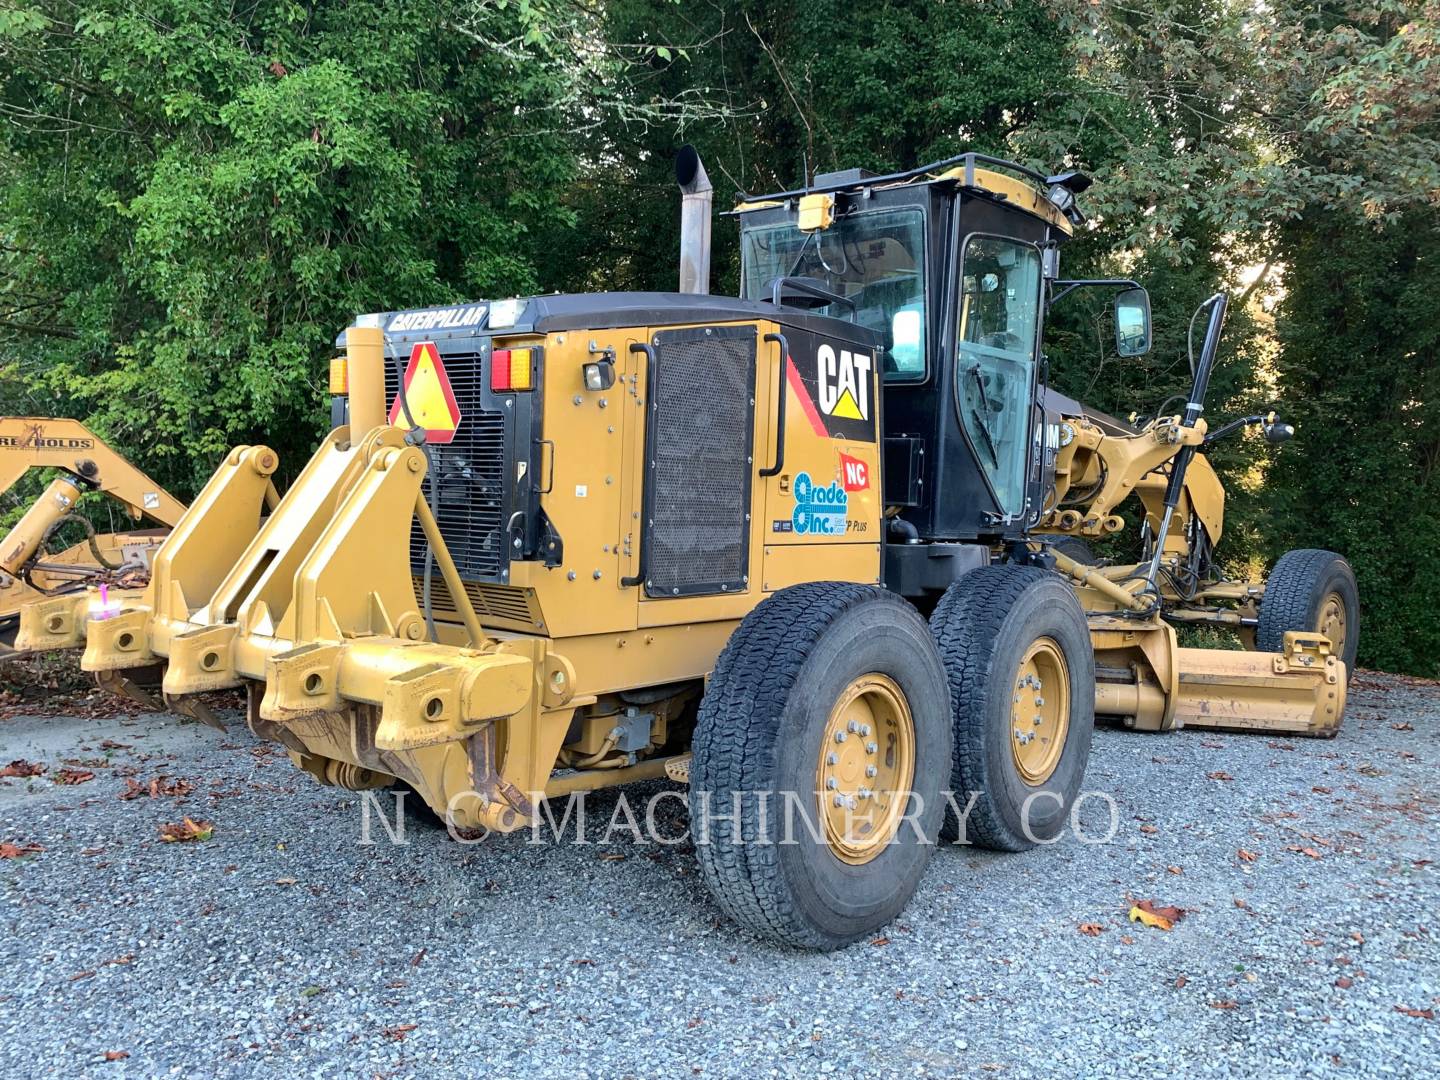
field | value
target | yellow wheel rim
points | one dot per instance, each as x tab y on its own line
1332	622
1040	711
866	767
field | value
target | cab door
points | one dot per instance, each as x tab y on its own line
997	339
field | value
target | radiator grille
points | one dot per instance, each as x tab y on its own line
699	468
468	474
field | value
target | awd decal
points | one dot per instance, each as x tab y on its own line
451	318
819	511
835	388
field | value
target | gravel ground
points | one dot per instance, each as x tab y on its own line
282	944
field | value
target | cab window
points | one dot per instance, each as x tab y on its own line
995	362
876	259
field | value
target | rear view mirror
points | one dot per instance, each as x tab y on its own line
1132	322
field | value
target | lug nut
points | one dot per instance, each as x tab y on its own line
871	771
1039	700
839	800
832	783
852	726
832	758
1039	719
839	736
850	803
871	748
865	729
865	793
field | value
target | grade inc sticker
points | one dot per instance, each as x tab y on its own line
819	511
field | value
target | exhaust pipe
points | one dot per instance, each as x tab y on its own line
695	198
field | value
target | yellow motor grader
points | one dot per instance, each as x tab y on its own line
796	548
45	594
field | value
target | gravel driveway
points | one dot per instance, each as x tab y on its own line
281	944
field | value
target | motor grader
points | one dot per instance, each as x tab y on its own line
802	549
44	594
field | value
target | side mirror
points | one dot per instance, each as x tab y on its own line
1132	322
907	339
1275	431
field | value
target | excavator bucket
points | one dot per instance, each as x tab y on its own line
1298	692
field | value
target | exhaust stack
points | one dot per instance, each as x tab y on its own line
696	195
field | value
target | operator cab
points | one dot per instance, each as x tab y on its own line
953	265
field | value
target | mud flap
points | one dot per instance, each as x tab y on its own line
1298	692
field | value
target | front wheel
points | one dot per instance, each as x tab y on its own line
820	754
1311	590
1022	686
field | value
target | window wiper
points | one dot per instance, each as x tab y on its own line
800	255
982	423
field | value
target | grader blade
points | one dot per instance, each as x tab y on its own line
1298	692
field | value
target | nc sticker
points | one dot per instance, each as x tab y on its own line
819	511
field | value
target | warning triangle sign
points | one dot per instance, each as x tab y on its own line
428	393
846	407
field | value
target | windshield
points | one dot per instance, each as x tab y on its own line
876	259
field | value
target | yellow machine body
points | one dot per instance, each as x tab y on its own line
43	595
316	609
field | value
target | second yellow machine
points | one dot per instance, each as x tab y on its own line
797	548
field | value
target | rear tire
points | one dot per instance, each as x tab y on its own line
1314	591
1077	549
986	626
773	711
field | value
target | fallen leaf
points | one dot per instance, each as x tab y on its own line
417	959
286	881
21	767
1180	981
116	1055
15	851
82	975
694	1022
1126	939
399	1032
880	941
278	69
312	991
1220	776
1320	790
111	744
1162	918
1307	851
1090	929
1418	1014
1357	937
188	829
1313	941
1240	902
1222	1004
612	856
1149	829
74	776
1247	856
1344	982
1403	725
1174	870
133	790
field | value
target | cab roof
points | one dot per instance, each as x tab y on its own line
1006	180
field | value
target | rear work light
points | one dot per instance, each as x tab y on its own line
512	369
